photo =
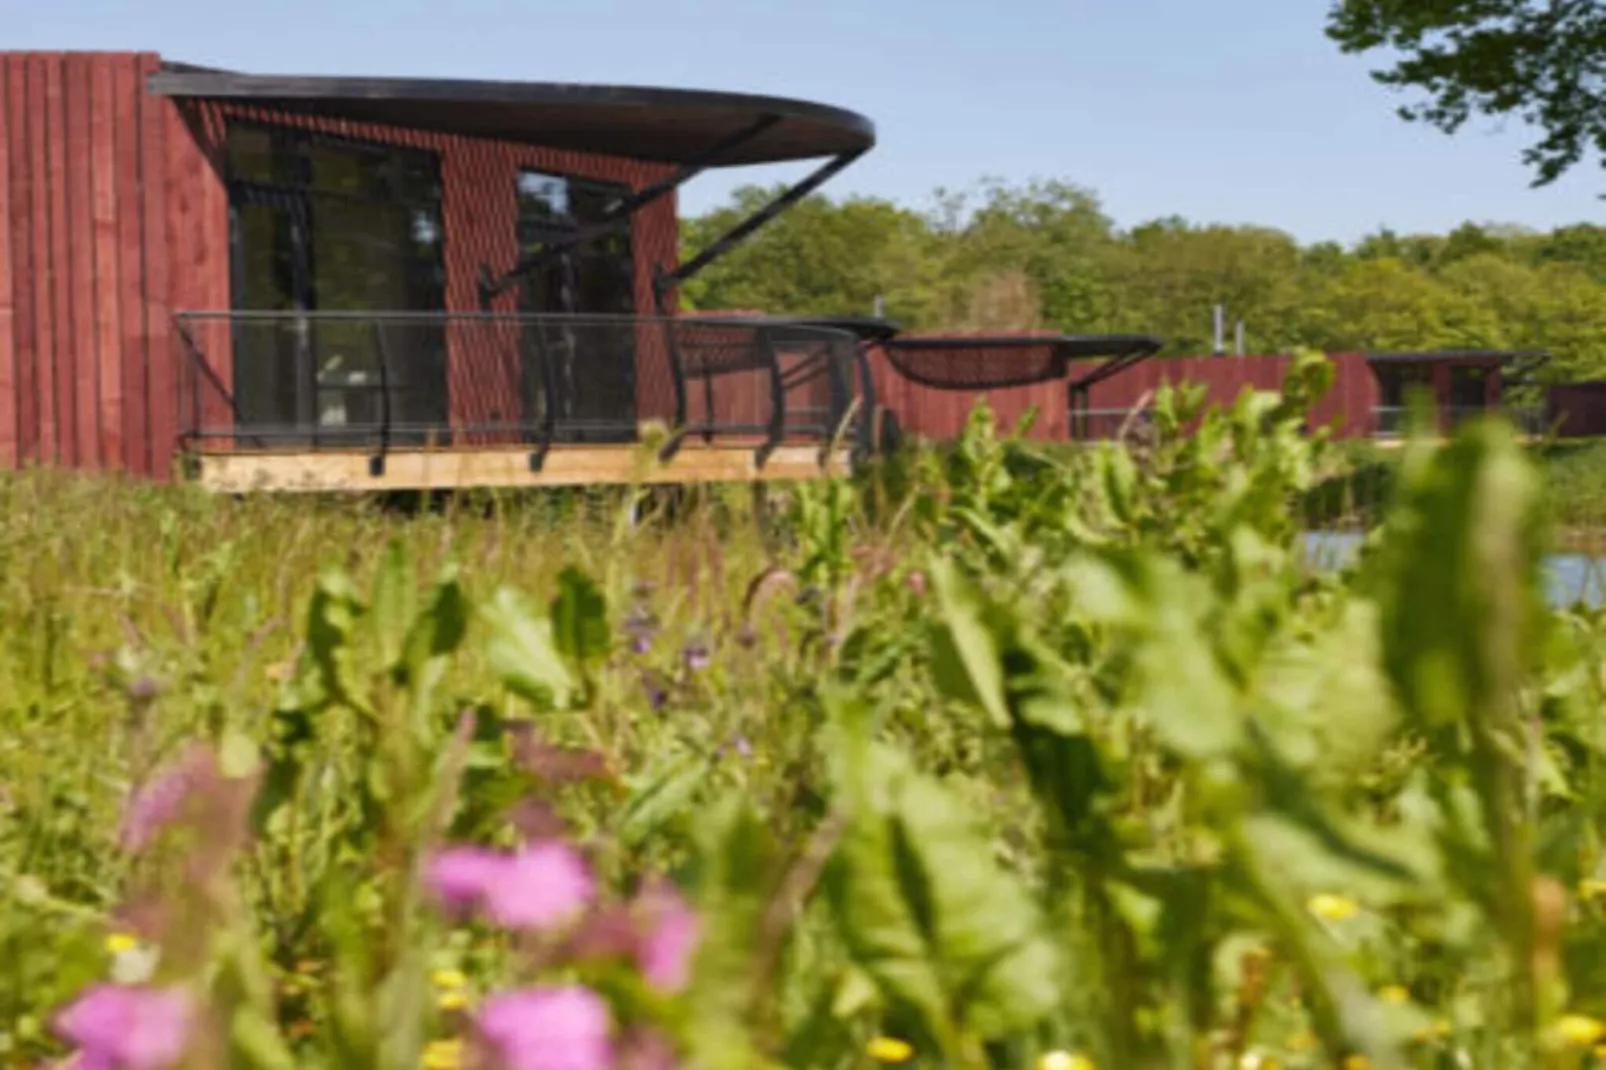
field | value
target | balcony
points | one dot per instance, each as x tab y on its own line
383	400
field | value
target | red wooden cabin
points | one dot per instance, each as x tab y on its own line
1368	399
388	282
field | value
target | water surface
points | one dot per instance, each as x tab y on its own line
1570	577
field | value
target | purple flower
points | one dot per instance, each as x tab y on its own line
542	886
697	657
124	1028
657	695
641	628
665	951
160	802
744	748
562	1028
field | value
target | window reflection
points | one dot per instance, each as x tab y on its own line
324	224
581	376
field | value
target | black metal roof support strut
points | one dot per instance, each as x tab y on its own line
491	286
1077	389
667	281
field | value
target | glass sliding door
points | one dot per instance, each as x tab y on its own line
334	226
578	374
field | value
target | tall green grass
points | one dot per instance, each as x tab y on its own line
1003	756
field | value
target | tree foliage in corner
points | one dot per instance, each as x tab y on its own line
1543	61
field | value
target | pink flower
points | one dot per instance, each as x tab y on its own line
160	801
563	1028
118	1028
460	876
666	948
542	886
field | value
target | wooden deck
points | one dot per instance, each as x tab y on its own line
503	466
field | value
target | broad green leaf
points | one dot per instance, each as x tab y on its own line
521	649
737	866
664	798
580	617
964	654
433	638
324	676
928	913
394	601
1459	593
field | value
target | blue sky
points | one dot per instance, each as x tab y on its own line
1236	111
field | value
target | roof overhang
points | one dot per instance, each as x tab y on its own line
1460	356
670	126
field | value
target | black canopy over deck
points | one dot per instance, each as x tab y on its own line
993	362
675	126
692	129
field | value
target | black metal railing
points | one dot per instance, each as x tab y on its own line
1392	421
385	380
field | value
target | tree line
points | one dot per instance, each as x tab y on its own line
1044	255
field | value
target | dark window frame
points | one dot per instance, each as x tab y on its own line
578	380
293	187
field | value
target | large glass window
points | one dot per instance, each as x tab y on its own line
579	370
332	225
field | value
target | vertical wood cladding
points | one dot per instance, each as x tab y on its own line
939	414
115	216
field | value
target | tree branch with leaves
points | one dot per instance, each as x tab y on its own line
1542	61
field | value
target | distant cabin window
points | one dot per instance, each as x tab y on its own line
330	225
596	277
577	368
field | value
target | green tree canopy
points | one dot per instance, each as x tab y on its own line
1543	61
1045	255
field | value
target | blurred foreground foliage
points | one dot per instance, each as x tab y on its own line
993	757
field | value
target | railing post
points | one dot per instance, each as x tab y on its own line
376	463
766	342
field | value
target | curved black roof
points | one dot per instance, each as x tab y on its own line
659	125
1503	356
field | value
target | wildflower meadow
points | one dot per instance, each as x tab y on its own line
987	757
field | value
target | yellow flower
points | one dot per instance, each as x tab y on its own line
1333	907
1064	1060
449	979
121	943
889	1050
1591	889
1394	994
1580	1029
1304	1040
443	1055
454	999
1357	1062
1439	1028
1254	1060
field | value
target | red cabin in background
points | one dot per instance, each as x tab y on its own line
285	275
1368	398
381	283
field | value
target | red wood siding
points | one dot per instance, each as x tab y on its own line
1577	410
941	414
115	216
